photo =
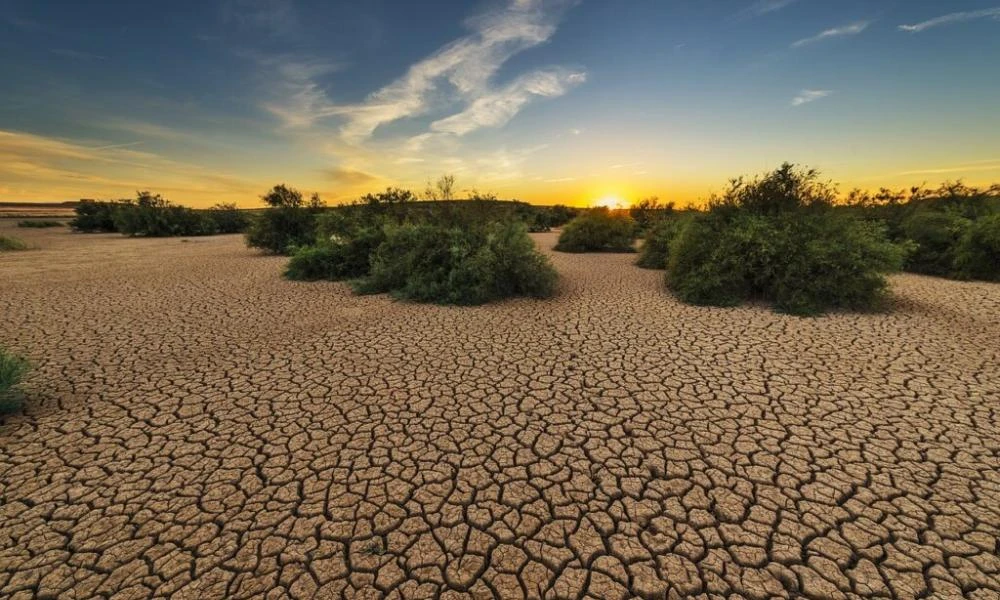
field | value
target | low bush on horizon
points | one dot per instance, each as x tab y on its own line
11	244
938	224
452	265
656	244
39	224
598	230
977	254
287	224
777	238
151	215
936	235
12	370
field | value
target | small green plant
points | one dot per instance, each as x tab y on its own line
39	224
12	370
374	548
598	230
977	255
11	244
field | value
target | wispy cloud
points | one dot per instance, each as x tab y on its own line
763	7
560	180
807	96
460	72
846	30
497	108
348	177
974	167
276	17
949	19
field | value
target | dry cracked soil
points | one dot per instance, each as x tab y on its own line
199	427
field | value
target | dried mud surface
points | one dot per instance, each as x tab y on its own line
200	428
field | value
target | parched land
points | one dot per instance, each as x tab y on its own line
200	427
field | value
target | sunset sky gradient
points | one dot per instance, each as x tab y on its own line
549	101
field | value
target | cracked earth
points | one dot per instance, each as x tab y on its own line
199	427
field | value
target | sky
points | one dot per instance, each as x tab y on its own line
547	101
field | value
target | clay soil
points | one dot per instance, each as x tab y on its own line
199	427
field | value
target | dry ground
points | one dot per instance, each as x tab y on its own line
200	427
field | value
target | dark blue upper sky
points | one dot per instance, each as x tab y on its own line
543	99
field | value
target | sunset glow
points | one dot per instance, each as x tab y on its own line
547	101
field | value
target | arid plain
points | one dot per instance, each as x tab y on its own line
198	426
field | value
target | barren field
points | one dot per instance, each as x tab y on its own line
200	427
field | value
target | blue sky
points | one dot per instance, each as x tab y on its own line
544	100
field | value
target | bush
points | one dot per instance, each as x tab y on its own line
936	235
12	370
453	265
977	255
288	224
336	259
226	218
656	245
39	224
598	230
777	238
154	216
95	216
11	244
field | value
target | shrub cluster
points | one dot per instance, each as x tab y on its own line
427	262
39	224
598	230
11	244
977	255
778	238
287	224
12	371
335	258
96	216
950	228
656	245
468	251
151	215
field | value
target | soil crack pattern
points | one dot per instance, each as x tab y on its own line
199	427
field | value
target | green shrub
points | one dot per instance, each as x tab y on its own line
161	219
656	245
11	244
598	230
977	255
227	218
454	265
778	239
12	370
95	216
39	224
714	260
288	224
336	259
936	235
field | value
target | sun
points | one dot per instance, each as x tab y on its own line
612	202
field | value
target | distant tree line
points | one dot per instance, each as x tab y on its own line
151	215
